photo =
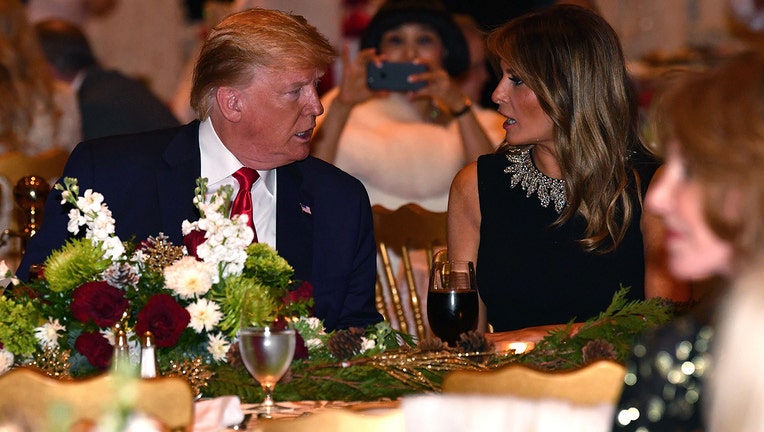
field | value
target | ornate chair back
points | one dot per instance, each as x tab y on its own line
410	234
31	398
595	383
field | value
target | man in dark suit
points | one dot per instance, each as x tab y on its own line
110	102
255	91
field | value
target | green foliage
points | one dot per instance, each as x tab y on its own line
395	372
265	265
619	325
243	296
17	323
77	262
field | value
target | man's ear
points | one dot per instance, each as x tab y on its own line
229	103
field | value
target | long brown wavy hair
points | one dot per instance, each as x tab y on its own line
26	85
572	60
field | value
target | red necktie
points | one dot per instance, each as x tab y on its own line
242	204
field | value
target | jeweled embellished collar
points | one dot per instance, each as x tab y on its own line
525	173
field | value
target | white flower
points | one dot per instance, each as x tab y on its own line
6	277
189	277
76	220
314	323
47	333
218	347
6	360
313	343
90	202
113	248
205	315
367	344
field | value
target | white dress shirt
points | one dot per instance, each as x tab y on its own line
218	165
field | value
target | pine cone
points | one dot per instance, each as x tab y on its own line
431	344
474	341
121	275
598	349
233	356
346	344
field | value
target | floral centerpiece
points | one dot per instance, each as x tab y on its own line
188	298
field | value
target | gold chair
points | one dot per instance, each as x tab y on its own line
49	165
45	403
341	420
28	180
597	382
398	233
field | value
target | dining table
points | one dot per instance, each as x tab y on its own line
441	412
437	412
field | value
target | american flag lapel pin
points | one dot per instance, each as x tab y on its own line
305	209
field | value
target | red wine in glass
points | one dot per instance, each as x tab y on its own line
452	299
451	313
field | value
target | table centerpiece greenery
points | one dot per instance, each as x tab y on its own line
189	298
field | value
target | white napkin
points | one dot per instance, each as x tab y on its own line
427	413
212	415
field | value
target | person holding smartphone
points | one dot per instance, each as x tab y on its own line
398	120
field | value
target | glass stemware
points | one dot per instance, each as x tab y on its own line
267	354
452	299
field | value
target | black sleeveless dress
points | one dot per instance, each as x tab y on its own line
529	273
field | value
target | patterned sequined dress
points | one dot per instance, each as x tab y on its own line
667	375
529	273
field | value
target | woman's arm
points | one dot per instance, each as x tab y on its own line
442	88
463	237
352	91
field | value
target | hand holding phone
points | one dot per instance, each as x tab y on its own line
394	76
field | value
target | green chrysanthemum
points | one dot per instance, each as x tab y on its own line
77	262
259	306
17	324
265	264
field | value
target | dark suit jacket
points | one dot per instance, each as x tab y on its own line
148	183
112	104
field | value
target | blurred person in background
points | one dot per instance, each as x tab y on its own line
406	146
703	371
37	112
110	102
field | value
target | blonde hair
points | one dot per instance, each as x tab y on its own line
254	38
572	60
26	85
717	120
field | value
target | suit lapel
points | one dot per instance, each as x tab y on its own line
294	221
176	179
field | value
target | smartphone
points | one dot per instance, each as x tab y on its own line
394	76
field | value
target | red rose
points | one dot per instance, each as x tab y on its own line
95	348
192	240
98	302
164	318
300	348
304	292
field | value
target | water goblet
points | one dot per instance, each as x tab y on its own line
452	299
267	354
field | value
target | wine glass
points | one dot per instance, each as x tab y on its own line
266	351
267	354
452	299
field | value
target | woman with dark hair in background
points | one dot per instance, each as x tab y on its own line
406	146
